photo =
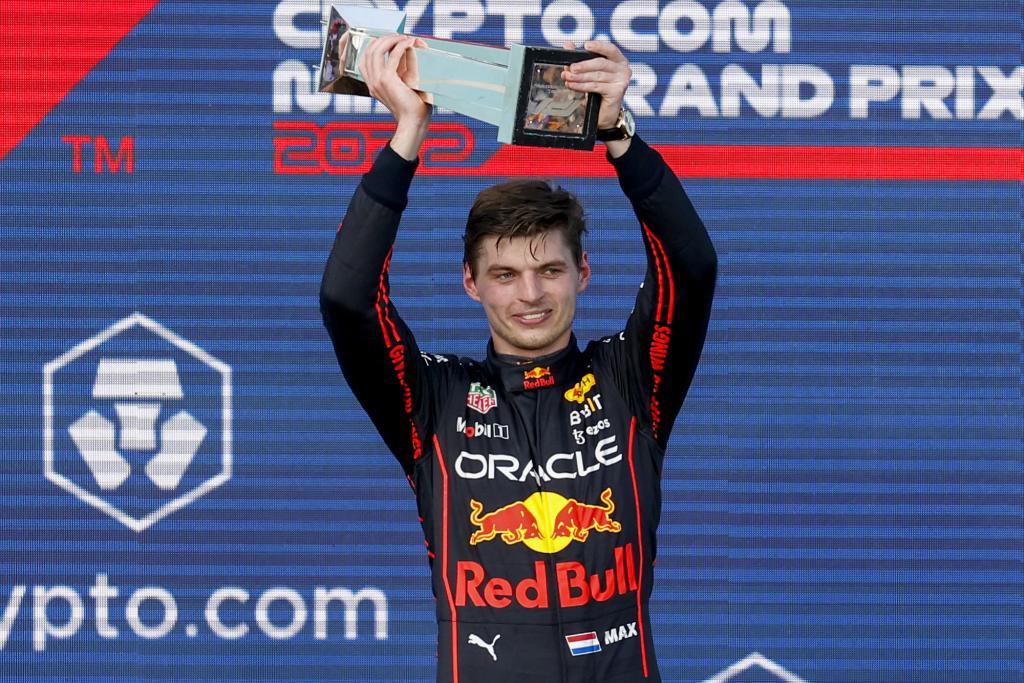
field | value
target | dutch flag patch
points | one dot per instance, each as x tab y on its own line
583	643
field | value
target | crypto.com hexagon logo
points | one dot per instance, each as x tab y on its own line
137	421
755	659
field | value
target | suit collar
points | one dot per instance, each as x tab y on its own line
528	374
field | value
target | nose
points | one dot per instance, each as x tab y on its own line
530	288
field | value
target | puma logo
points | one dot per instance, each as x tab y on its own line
474	639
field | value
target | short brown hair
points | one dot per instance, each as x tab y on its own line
524	208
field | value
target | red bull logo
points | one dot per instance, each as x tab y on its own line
545	522
575	586
579	391
537	378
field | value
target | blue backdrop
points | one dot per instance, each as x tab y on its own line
843	492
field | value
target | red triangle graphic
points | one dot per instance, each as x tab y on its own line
47	48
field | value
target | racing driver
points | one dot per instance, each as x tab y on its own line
536	470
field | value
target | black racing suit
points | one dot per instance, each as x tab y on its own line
537	482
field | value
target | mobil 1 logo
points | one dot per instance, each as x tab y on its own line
477	429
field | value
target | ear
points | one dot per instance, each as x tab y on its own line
469	283
584	273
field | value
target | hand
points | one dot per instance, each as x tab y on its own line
608	75
384	75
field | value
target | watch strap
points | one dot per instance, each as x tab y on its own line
620	131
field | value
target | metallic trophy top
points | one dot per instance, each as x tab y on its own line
339	72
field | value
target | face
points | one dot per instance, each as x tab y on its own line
528	288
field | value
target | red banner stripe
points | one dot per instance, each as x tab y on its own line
768	162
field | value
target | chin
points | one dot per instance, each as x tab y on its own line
535	342
534	345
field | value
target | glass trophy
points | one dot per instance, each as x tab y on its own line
519	89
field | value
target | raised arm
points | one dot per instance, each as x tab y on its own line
665	333
656	355
376	350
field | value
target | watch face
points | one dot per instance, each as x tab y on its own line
628	123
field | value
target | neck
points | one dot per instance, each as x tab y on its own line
512	354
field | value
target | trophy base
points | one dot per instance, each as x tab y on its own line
547	112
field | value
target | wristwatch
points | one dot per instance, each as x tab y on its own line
623	129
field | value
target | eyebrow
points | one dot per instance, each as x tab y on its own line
559	263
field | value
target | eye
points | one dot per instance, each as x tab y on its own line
553	271
503	277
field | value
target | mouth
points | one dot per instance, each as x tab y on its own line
533	318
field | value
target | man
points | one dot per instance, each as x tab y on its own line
537	470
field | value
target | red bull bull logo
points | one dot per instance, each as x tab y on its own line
579	391
545	522
537	378
576	520
514	523
537	373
